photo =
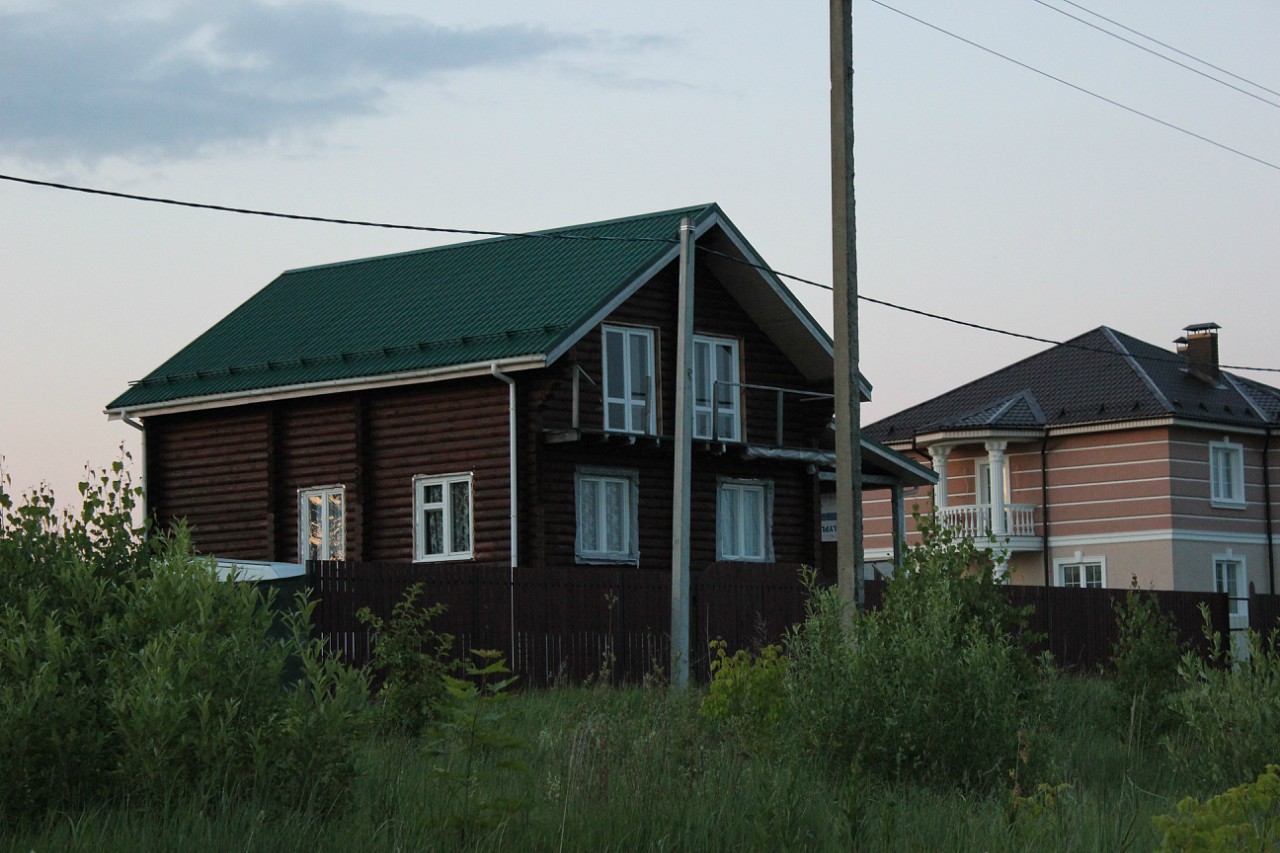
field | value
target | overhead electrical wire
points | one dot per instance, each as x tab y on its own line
542	235
1080	88
1167	46
1160	55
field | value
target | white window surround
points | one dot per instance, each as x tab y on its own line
322	522
1226	474
443	520
606	502
630	388
1230	576
982	482
1080	572
744	520
715	360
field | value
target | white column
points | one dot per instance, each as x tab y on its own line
995	455
939	457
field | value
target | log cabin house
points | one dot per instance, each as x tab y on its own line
508	399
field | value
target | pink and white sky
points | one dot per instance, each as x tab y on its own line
985	191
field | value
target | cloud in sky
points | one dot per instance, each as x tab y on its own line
83	81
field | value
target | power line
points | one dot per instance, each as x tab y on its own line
1081	89
541	235
1190	56
1158	54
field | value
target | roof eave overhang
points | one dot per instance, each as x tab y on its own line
956	437
333	386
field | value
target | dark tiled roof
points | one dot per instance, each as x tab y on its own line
1100	376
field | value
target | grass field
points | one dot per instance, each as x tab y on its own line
639	769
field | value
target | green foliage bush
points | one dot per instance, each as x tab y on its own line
1145	661
128	669
411	659
1228	712
1246	817
932	688
747	692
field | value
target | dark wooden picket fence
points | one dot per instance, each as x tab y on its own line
575	623
563	623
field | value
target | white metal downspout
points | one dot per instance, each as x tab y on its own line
515	504
142	457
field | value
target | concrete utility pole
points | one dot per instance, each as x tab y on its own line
845	283
682	474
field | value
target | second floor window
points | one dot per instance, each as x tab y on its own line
1226	473
715	389
629	387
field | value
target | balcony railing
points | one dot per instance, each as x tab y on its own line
974	521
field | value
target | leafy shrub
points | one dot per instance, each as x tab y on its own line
1246	817
932	687
1145	659
128	669
411	659
747	692
1228	713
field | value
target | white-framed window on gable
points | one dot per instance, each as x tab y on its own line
442	526
1081	572
744	520
1226	473
322	523
630	389
716	394
607	515
1229	576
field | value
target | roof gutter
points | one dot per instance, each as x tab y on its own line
1266	506
309	389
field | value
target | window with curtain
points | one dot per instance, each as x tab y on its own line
321	523
715	389
607	515
744	511
442	517
1226	473
630	403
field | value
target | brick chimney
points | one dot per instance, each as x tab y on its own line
1200	346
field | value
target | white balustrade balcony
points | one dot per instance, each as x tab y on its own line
974	521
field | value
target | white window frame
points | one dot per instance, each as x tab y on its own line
446	482
703	426
734	489
982	483
1080	561
325	494
628	480
1229	455
627	396
1238	604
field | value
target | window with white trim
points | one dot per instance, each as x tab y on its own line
321	523
1229	577
1226	473
630	391
715	389
607	516
1081	572
744	520
442	517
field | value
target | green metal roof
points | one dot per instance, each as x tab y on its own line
462	304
